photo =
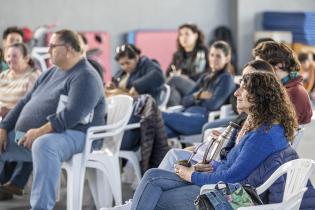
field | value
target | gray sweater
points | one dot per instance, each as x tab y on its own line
84	91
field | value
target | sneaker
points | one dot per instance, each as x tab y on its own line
126	206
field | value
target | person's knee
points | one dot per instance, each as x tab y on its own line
152	173
43	145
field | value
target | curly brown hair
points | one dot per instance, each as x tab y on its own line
270	103
275	53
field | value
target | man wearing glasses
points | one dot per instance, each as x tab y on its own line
48	125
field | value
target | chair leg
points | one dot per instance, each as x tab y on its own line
112	173
100	188
135	163
75	185
116	182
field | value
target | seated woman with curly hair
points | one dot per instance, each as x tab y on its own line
270	126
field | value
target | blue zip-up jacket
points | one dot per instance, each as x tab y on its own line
147	78
221	88
246	156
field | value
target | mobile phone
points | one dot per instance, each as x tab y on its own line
18	136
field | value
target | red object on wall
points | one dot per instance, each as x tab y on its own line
159	45
99	49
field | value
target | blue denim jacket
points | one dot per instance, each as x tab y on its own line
221	88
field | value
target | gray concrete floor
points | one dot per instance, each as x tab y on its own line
305	150
22	203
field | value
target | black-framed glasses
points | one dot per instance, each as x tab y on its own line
52	46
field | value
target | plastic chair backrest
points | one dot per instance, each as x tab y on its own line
40	54
164	96
226	111
119	109
298	172
297	138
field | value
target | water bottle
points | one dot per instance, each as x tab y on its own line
231	141
215	145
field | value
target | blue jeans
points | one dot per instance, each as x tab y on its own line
183	123
48	152
160	189
180	86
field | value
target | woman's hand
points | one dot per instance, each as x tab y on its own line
204	95
215	133
133	92
175	73
110	85
4	111
184	172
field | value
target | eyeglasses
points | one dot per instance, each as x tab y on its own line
51	46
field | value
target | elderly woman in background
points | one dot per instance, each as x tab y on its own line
14	84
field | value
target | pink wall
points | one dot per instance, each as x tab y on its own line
159	45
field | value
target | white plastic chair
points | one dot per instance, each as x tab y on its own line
40	54
225	111
102	166
298	173
133	157
297	138
164	96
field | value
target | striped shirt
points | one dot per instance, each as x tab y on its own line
13	86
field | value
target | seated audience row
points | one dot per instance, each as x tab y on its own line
18	77
49	136
270	126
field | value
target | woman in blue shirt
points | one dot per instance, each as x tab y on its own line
270	125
